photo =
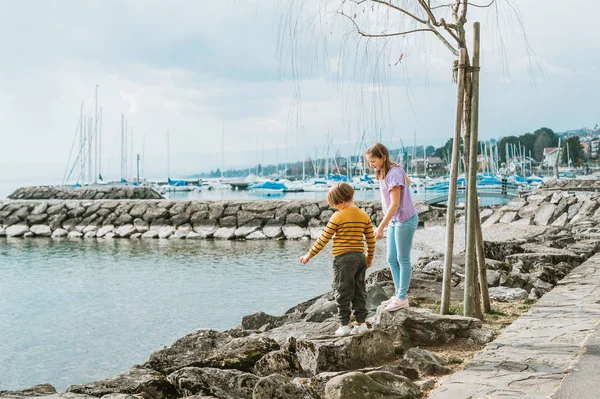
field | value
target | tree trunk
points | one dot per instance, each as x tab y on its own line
451	214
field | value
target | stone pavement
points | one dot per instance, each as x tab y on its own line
532	356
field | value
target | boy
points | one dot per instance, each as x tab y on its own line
347	227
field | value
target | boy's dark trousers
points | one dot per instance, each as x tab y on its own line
349	284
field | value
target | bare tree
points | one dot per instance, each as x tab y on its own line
390	21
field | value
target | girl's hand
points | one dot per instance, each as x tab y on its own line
304	259
379	233
369	263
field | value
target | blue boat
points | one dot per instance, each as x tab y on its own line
268	185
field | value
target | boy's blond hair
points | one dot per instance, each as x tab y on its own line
340	193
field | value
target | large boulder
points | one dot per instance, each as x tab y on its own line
506	294
423	326
426	362
277	386
133	381
222	384
190	350
374	385
345	353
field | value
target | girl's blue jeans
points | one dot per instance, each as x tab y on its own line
399	242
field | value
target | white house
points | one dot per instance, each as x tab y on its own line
550	154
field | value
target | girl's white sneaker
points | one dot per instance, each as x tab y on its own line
387	301
396	303
342	331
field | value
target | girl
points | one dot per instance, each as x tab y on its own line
399	212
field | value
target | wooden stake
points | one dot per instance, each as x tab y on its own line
451	214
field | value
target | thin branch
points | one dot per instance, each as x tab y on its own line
443	39
485	6
389	4
365	34
429	12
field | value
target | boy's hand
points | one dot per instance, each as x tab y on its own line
369	263
304	259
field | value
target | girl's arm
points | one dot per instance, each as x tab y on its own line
394	205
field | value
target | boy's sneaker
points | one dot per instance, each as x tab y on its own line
396	303
342	331
359	329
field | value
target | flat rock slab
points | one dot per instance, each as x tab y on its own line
531	357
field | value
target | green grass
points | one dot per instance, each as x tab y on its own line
455	360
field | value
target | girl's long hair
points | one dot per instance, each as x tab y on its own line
380	151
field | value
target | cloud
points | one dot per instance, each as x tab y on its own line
185	66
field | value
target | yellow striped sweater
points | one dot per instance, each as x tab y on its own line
347	227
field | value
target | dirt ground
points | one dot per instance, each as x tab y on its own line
460	352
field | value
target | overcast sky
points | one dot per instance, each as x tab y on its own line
187	66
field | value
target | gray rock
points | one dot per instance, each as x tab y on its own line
485	213
74	234
240	353
506	294
124	219
150	234
495	218
573	210
36	390
310	211
133	381
41	230
325	216
295	218
359	385
545	214
189	350
324	308
493	278
180	219
529	211
522	222
509	217
346	353
138	210
273	229
92	234
282	362
248	228
225	233
244	217
198	217
59	233
2	232
125	231
37	219
102	231
155	213
255	321
206	228
166	232
16	230
301	330
277	386
294	232
561	220
426	362
228	221
257	235
515	205
423	326
141	226
222	384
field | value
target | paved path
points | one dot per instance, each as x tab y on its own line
582	383
533	355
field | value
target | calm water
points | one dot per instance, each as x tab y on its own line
77	311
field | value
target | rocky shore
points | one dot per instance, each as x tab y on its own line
530	245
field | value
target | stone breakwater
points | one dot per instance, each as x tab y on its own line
252	220
85	193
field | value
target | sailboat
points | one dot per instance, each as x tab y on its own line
174	185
